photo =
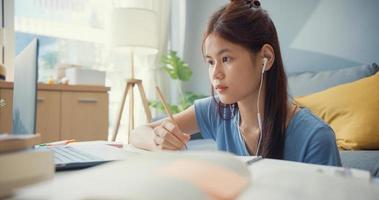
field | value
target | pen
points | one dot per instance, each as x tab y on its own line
163	101
256	159
58	143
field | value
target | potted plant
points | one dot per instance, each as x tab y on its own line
178	70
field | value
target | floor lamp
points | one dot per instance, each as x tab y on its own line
135	30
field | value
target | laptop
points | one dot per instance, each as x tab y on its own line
66	157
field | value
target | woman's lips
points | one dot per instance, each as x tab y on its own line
221	88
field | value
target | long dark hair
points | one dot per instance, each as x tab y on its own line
245	23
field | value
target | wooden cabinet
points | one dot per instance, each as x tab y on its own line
48	115
83	115
6	111
64	112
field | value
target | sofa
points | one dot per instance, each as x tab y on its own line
314	84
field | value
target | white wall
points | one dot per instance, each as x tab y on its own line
314	34
198	12
9	33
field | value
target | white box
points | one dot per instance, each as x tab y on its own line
77	76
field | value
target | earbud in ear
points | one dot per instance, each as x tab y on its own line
264	65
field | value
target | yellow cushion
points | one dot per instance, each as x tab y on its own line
352	110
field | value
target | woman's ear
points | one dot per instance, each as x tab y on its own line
268	52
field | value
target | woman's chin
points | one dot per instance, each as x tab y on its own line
227	100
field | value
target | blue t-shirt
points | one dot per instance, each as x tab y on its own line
308	139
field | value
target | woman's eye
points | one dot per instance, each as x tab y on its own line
226	59
210	63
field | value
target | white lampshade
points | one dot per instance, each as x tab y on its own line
134	28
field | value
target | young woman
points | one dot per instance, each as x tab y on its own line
249	112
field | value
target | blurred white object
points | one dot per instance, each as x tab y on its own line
77	76
2	103
135	29
61	69
64	81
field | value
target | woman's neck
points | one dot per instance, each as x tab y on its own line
248	110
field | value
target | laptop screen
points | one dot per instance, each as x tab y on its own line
24	90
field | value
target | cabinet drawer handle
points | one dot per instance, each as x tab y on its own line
85	100
40	99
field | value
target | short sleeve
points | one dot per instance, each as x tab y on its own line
322	148
206	117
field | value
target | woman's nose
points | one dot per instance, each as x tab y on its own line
218	72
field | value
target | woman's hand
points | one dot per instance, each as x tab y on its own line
169	137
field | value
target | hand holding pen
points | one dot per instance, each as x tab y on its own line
168	135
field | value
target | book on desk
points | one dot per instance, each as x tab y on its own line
22	165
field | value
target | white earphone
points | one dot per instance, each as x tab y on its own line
264	64
258	112
258	99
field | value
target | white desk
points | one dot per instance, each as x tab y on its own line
270	179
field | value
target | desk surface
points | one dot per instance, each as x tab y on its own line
270	179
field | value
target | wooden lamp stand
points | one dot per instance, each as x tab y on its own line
130	83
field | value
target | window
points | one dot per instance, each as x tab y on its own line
70	32
73	32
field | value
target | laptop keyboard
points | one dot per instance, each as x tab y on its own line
67	154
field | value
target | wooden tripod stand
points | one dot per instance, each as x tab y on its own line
130	83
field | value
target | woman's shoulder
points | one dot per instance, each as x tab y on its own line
206	109
306	124
315	137
206	106
207	117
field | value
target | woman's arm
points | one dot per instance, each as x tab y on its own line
163	134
